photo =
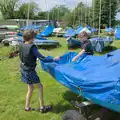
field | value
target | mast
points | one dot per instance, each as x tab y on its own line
100	16
28	14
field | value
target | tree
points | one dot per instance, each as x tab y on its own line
58	12
22	13
7	8
77	16
41	15
106	16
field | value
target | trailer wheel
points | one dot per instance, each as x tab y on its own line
73	115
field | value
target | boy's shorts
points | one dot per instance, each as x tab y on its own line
29	77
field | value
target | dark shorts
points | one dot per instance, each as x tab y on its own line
29	77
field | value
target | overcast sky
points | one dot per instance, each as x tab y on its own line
51	3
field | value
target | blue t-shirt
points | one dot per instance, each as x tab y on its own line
40	56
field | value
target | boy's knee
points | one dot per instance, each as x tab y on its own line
41	86
31	88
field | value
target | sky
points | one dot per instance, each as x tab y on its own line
48	4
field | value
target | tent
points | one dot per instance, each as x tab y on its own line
95	78
42	42
37	36
109	29
86	30
57	30
69	33
20	34
89	27
40	38
98	43
118	34
78	29
47	31
73	43
93	30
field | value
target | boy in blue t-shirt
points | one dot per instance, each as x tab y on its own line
28	54
86	46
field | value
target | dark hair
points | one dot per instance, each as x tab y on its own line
83	35
28	35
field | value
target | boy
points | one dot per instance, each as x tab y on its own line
28	55
86	46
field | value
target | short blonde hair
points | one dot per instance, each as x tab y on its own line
28	35
83	35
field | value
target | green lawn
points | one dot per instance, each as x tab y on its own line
13	92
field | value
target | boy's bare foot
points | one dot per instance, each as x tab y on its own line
29	109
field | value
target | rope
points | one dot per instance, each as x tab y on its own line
93	13
110	14
89	20
100	16
28	14
81	14
58	13
85	13
47	10
74	16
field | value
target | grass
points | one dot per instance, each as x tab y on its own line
13	92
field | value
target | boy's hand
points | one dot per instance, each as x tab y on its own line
68	38
74	59
56	58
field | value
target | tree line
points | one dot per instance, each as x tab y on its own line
81	14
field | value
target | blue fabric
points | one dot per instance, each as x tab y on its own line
41	42
109	30
37	36
89	27
118	34
29	77
78	29
31	27
96	78
40	56
47	31
69	33
93	30
98	43
73	43
19	34
40	38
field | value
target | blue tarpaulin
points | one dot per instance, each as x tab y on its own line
69	32
42	42
98	43
118	34
109	29
47	31
73	43
31	27
93	30
96	78
78	29
37	36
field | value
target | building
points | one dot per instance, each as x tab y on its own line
24	22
